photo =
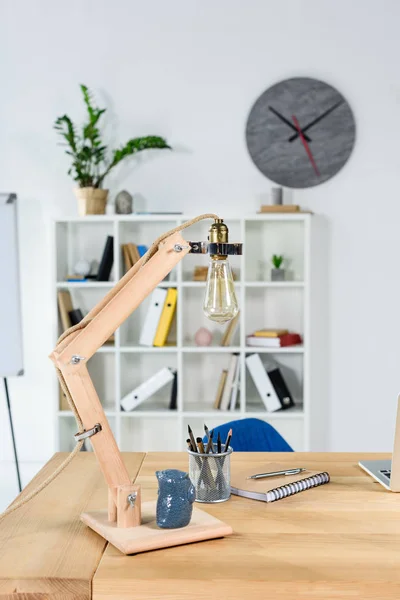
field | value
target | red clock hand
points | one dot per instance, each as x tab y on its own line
306	146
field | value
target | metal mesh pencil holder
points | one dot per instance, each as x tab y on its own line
211	475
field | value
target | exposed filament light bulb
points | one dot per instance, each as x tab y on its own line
220	303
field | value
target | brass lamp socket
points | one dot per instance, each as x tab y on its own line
218	234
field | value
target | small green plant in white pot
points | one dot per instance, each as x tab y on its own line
91	159
277	272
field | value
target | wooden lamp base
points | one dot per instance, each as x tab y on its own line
147	536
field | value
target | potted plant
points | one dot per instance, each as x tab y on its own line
91	160
277	273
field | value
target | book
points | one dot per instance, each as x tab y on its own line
220	389
133	253
270	333
75	316
279	208
147	389
230	330
166	318
152	318
142	250
288	339
235	387
107	260
226	395
274	488
173	403
127	257
65	307
263	383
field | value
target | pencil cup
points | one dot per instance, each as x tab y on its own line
211	475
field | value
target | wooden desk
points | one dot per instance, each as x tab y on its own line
341	540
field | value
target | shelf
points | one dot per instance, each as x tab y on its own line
291	413
274	284
69	413
148	349
285	350
201	284
99	285
210	349
148	414
106	348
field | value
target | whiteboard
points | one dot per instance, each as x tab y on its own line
11	356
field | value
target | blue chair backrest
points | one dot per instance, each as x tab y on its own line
252	435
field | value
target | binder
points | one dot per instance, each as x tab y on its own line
147	389
173	403
279	384
165	321
274	488
226	395
263	383
106	260
152	318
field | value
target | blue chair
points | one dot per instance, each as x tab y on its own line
252	435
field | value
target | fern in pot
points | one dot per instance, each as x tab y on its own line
91	160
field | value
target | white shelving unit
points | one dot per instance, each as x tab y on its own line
292	304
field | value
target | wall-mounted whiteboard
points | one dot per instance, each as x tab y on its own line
11	355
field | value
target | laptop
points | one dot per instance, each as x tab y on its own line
387	472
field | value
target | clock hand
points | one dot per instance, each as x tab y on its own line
306	146
317	120
282	118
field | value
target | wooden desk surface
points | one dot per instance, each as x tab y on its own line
341	540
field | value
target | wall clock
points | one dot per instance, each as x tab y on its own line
300	132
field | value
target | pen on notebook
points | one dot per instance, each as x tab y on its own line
228	440
192	440
219	443
276	473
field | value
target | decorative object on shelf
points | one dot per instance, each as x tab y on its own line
82	268
200	273
123	203
91	163
277	273
220	303
277	196
176	495
70	358
300	132
203	337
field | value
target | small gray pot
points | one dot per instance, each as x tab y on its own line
123	203
277	274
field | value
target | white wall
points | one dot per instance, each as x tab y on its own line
190	70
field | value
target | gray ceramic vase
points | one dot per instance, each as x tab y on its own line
176	495
123	203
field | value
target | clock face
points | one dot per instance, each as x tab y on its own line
300	132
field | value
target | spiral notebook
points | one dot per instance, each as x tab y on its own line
271	489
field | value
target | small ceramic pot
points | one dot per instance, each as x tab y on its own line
277	274
123	203
176	495
91	201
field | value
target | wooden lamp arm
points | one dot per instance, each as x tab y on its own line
72	353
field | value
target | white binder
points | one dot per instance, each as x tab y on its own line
147	389
226	396
263	383
152	318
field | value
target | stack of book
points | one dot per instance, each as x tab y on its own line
273	338
228	386
200	273
131	254
159	318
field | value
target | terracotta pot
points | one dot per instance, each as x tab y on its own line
91	201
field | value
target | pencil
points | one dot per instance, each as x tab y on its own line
192	440
219	443
228	440
210	443
200	445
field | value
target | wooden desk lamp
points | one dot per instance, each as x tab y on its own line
123	524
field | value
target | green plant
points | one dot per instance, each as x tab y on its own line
90	160
277	260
